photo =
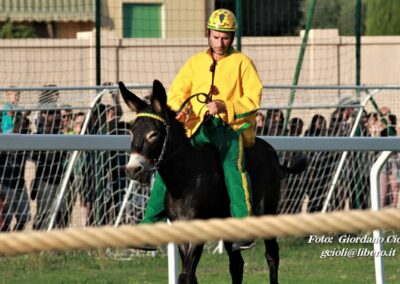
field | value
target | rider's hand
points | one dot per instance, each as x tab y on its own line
216	107
180	116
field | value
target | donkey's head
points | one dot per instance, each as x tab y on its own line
149	132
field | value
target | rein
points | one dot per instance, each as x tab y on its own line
207	97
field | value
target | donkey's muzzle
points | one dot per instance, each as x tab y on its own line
138	169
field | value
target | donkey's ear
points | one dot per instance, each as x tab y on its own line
159	97
134	102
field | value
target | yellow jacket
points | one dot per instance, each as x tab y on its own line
237	84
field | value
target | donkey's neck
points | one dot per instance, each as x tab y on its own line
180	160
176	160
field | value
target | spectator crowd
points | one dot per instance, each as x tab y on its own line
98	181
97	178
309	191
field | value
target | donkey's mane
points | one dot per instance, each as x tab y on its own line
171	118
179	125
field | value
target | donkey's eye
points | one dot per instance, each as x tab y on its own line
152	136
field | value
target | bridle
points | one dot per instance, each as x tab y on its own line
164	147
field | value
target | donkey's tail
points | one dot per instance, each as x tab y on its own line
297	165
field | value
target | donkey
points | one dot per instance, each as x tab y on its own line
194	177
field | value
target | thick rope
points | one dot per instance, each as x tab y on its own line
199	231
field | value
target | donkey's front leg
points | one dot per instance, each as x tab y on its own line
236	263
272	257
190	257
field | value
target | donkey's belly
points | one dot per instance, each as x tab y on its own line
207	197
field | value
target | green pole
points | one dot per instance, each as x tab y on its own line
310	14
357	30
98	28
358	46
238	13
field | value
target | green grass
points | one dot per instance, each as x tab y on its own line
300	263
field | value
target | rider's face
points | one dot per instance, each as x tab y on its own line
220	42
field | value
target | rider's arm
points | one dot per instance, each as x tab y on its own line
181	87
249	100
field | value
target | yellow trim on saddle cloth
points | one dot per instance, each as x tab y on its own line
245	183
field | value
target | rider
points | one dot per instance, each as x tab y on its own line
225	117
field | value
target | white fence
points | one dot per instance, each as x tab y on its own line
16	142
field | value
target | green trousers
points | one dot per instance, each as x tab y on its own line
231	153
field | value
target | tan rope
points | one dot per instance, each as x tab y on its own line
199	231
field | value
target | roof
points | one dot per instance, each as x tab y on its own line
47	10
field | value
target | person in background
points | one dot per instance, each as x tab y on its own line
66	120
374	124
389	126
48	100
316	181
294	191
74	181
114	110
78	170
94	189
50	167
342	118
78	120
390	174
317	126
260	123
363	125
8	116
13	189
116	182
274	122
295	126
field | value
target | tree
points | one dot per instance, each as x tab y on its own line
267	17
333	14
9	30
382	17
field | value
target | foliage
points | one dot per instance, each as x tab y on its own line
382	17
10	30
267	18
333	14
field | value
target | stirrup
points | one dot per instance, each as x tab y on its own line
145	247
243	245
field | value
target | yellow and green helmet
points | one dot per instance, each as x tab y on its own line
222	20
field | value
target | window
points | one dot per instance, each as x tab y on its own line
141	20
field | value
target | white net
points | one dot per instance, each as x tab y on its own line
334	180
58	189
